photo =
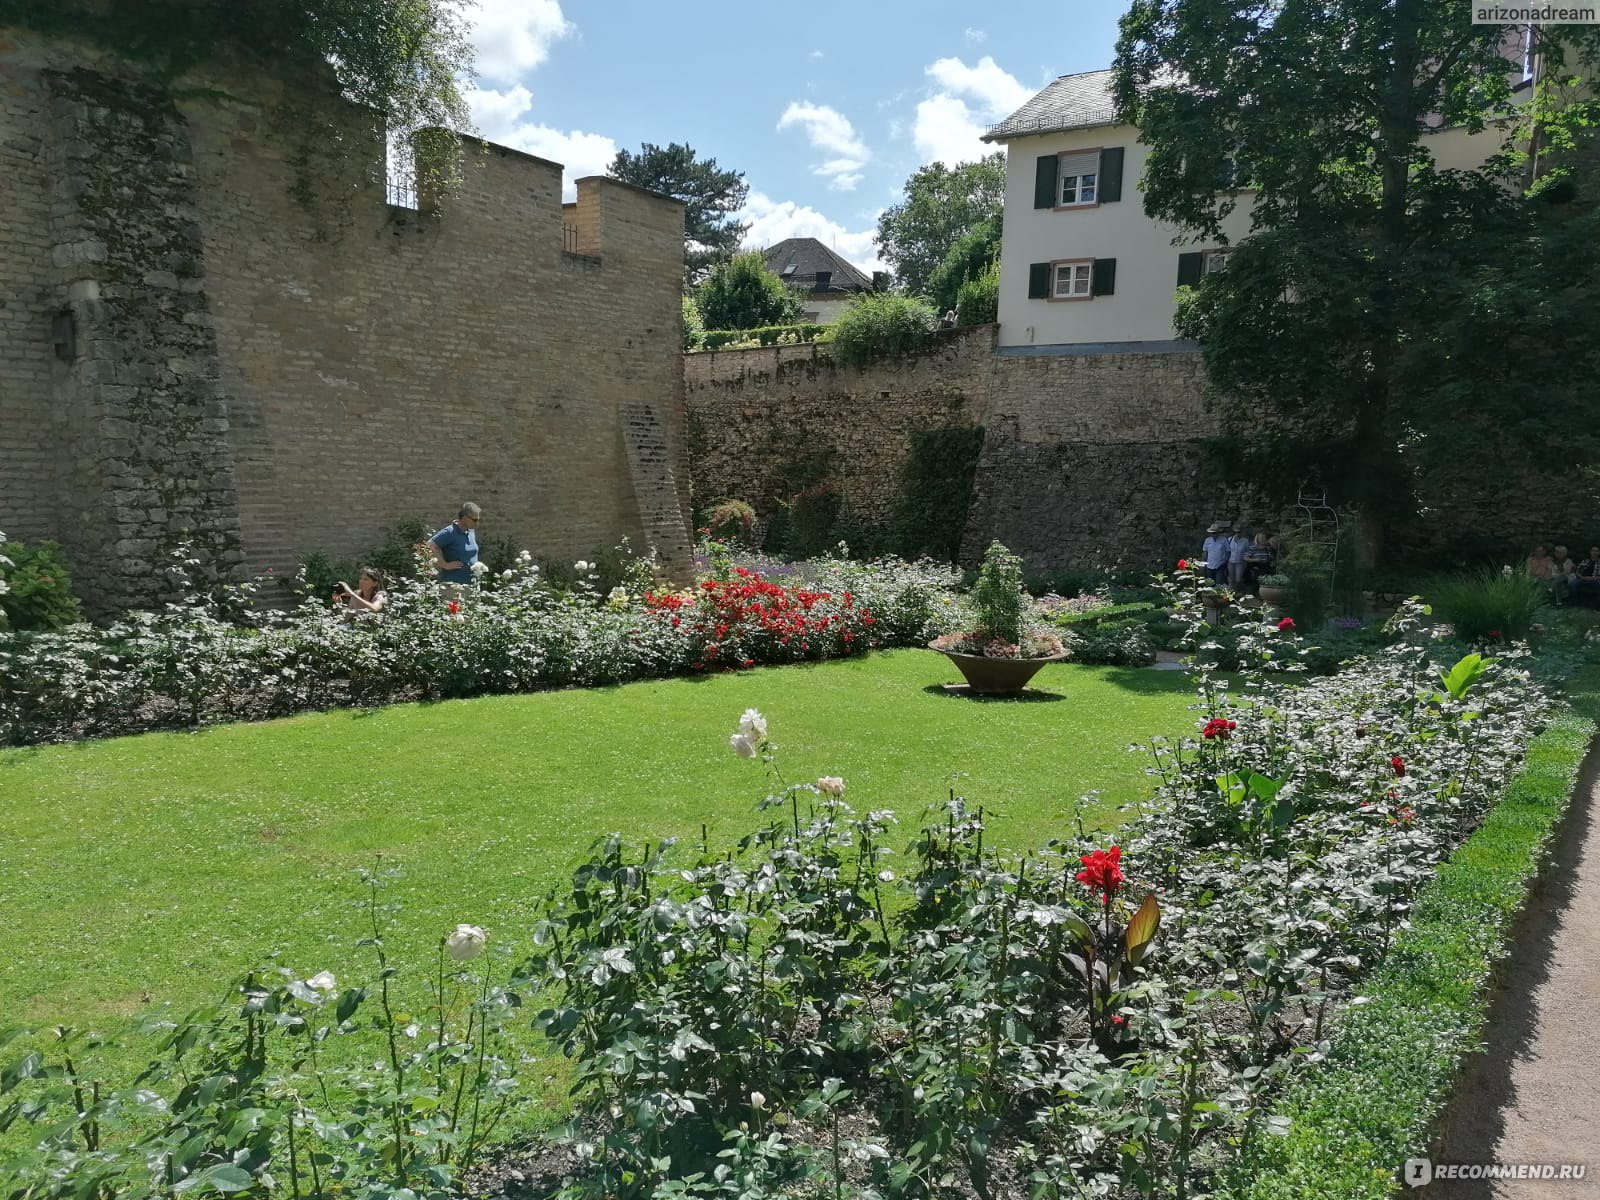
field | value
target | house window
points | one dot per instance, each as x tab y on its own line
1073	280
1214	261
1079	176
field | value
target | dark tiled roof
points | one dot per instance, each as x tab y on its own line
1071	102
807	256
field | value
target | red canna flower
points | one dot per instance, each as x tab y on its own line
1286	624
1120	1021
1218	728
1399	765
455	607
1102	872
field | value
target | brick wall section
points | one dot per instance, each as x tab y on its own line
371	364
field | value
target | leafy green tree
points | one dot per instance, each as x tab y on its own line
970	258
942	205
1309	333
694	327
743	294
978	301
877	325
711	197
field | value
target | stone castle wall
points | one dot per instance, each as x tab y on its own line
1087	460
256	354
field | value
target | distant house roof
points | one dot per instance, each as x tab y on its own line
798	260
1079	101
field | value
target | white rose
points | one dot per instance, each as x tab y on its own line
831	784
323	981
757	1101
885	876
752	723
479	567
581	565
743	745
506	574
466	941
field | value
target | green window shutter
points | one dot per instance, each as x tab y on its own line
1190	267
1105	277
1044	181
1038	281
1111	174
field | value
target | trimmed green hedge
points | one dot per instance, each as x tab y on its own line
766	335
1112	612
1371	1105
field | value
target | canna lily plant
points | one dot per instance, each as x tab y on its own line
1105	954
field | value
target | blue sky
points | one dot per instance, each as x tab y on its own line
826	107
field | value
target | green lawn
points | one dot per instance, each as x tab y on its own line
154	868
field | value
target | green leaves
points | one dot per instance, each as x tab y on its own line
1467	671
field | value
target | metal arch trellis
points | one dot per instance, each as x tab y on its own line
1319	527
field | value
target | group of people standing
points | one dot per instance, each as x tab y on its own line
455	557
1235	558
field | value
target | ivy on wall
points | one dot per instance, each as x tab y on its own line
936	491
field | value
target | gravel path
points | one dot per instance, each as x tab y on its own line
1534	1095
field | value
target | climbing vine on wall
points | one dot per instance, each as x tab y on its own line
936	491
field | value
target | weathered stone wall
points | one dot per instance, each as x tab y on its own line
752	412
271	360
1088	460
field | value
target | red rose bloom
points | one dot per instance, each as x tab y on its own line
1183	564
1286	624
1101	872
1399	765
1120	1021
455	607
1218	728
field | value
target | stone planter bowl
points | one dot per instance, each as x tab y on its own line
997	676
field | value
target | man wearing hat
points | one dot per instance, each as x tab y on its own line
1216	551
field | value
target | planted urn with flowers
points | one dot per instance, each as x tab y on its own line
1004	649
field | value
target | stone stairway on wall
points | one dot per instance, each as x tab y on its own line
655	487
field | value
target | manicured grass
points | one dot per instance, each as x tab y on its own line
1370	1105
155	868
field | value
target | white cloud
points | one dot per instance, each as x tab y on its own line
974	36
945	130
773	220
506	117
949	122
816	54
996	91
830	131
514	36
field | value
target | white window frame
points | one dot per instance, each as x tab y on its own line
1073	278
1081	189
1213	261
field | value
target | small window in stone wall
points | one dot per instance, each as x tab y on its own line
400	173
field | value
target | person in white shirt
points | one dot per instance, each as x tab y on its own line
1216	552
1238	547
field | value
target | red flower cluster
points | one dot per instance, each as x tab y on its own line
1102	872
1399	765
1218	728
1120	1021
748	619
454	606
1286	624
1403	815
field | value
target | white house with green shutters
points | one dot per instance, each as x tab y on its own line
1082	268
